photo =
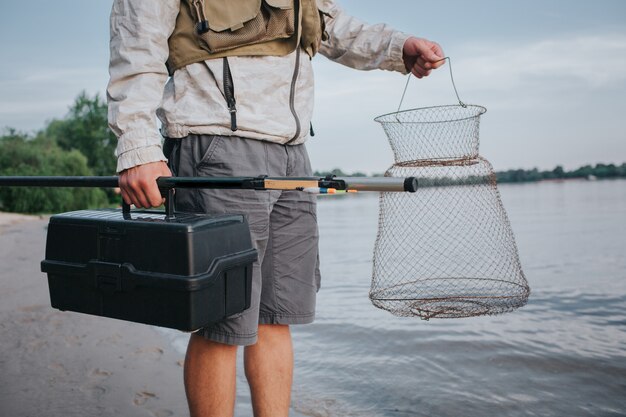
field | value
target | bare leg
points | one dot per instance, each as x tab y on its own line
269	369
210	378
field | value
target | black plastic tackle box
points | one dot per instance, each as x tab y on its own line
142	266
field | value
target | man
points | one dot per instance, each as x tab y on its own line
235	107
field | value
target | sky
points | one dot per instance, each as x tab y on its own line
551	73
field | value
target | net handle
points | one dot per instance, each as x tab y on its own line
451	78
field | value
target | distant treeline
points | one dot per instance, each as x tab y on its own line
339	173
520	175
558	173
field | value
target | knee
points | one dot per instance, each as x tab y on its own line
269	333
200	346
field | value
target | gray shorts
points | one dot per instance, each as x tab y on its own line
283	226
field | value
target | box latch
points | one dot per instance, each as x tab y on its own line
108	276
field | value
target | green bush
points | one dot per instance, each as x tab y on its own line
21	155
85	128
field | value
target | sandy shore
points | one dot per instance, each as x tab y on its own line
69	364
65	364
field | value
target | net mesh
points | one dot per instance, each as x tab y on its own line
448	250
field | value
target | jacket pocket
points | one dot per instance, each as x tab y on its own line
227	25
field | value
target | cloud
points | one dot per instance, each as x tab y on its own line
595	61
550	101
63	75
592	61
31	97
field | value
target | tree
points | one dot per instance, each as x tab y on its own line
558	172
86	129
583	172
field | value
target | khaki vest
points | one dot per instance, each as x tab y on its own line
209	29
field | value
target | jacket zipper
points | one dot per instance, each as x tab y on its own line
202	24
294	78
229	93
292	97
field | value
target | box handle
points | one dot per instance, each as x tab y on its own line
170	203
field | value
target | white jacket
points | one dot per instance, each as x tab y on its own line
274	96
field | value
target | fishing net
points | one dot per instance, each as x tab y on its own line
447	250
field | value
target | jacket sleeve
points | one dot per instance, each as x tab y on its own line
138	47
359	45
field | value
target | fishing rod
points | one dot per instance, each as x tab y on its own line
167	185
307	184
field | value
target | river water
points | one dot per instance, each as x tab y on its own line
564	354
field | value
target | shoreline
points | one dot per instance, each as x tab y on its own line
9	219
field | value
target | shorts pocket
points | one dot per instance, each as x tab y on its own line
257	215
206	146
311	207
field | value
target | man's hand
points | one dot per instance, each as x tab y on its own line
421	56
138	184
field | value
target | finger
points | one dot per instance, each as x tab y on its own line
418	74
142	193
438	64
153	194
437	50
421	62
157	197
127	193
433	52
148	192
139	200
419	71
429	66
424	67
126	197
421	74
129	183
426	73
